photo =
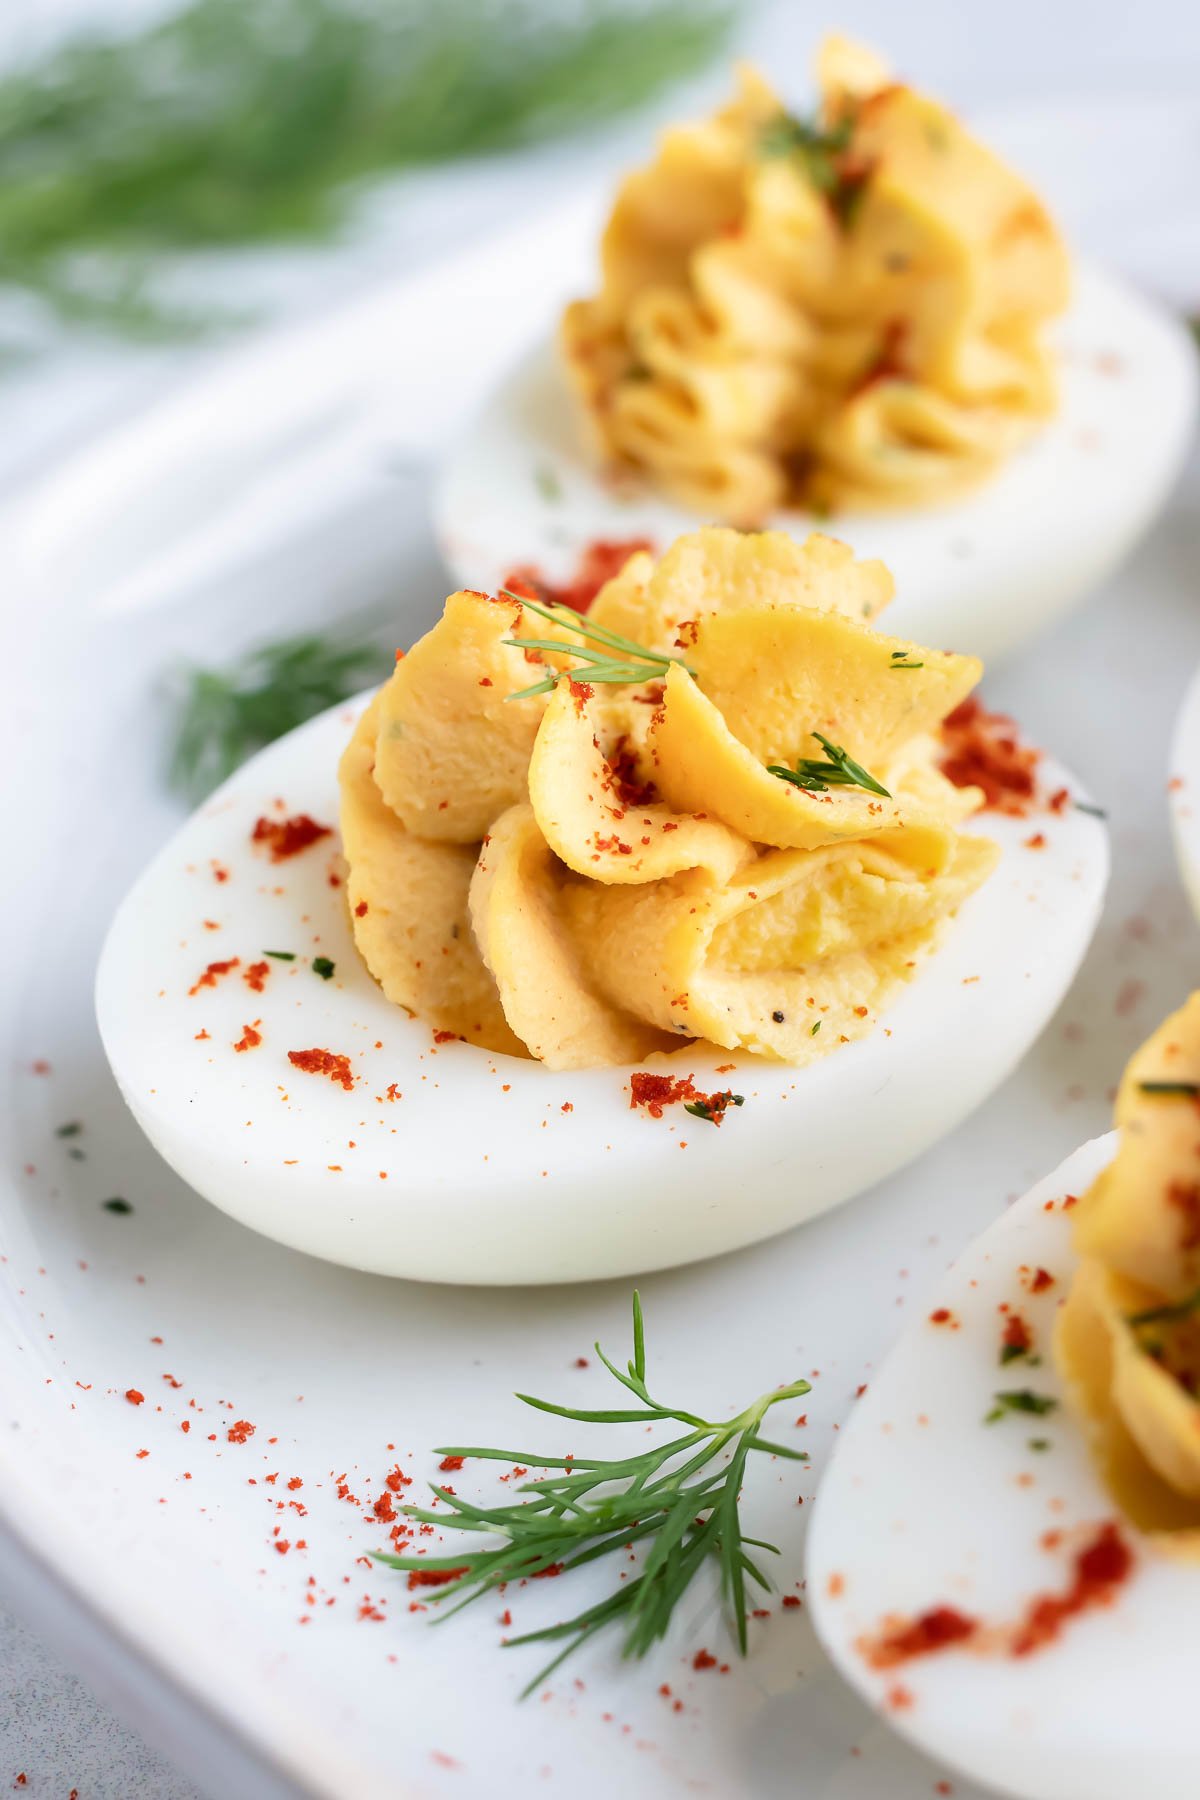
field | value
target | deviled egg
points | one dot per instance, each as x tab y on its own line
855	312
1003	1553
629	913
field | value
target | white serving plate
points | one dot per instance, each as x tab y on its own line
167	1591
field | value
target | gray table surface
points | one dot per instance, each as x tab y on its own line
60	1737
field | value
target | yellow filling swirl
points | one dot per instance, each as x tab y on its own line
754	850
847	311
1128	1338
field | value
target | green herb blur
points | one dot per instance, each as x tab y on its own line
226	715
237	122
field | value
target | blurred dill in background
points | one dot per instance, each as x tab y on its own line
239	122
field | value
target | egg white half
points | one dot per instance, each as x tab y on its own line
924	1505
1183	791
496	1170
984	573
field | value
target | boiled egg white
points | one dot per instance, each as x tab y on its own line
984	573
1183	791
925	1506
445	1162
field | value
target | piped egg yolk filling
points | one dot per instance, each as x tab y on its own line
745	841
1128	1338
848	308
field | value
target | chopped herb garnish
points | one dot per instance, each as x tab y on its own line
825	154
837	770
281	955
900	660
1019	1400
323	967
76	1154
814	1029
1095	812
1012	1352
1170	1313
591	1506
617	661
816	147
70	1130
117	1205
714	1108
548	484
1039	1443
1178	1089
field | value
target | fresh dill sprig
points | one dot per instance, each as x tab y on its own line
228	714
591	1506
229	123
817	776
616	660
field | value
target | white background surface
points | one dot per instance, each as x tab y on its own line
974	54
